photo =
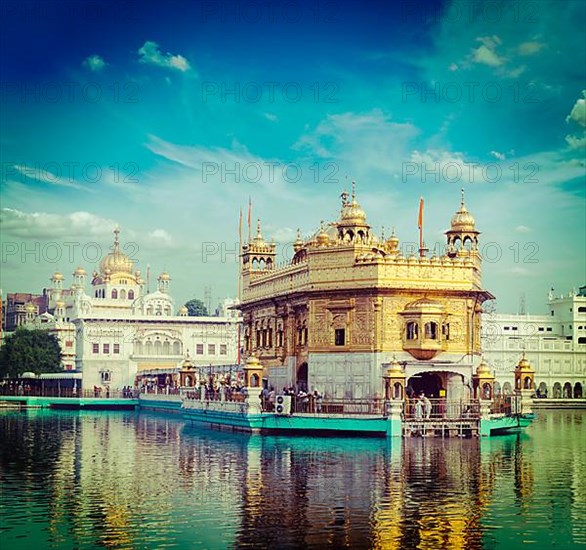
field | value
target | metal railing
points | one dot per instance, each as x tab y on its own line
312	405
441	409
198	394
23	391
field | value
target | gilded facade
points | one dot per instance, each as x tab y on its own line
348	302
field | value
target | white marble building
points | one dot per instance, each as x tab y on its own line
112	329
554	344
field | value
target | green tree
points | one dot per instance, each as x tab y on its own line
30	351
196	308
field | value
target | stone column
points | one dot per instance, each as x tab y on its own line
394	386
253	371
394	417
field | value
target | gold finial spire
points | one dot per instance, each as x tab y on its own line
462	200
353	190
382	235
116	239
298	244
258	233
322	237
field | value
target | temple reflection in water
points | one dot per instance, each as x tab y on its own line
144	480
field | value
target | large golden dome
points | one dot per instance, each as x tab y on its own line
116	261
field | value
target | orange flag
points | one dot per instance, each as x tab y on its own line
240	227
420	219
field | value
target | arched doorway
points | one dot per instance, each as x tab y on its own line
542	390
557	390
567	390
427	382
302	377
507	389
577	390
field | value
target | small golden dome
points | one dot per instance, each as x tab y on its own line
187	363
59	304
57	276
483	368
462	219
393	241
183	310
79	271
253	363
394	368
352	213
322	237
259	238
164	276
524	364
30	307
298	244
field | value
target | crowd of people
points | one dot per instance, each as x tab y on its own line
301	401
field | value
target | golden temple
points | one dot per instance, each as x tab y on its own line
348	303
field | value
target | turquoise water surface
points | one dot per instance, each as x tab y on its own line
88	479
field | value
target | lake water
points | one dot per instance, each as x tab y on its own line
92	479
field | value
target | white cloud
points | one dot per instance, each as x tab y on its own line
44	225
578	112
435	165
151	54
453	67
576	142
270	116
497	155
522	229
213	168
486	56
578	115
94	63
530	48
160	237
358	142
43	175
486	53
518	270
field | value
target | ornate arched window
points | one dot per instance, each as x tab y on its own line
431	331
114	294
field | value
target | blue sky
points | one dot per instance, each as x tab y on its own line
165	118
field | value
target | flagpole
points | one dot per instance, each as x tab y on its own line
420	225
239	358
